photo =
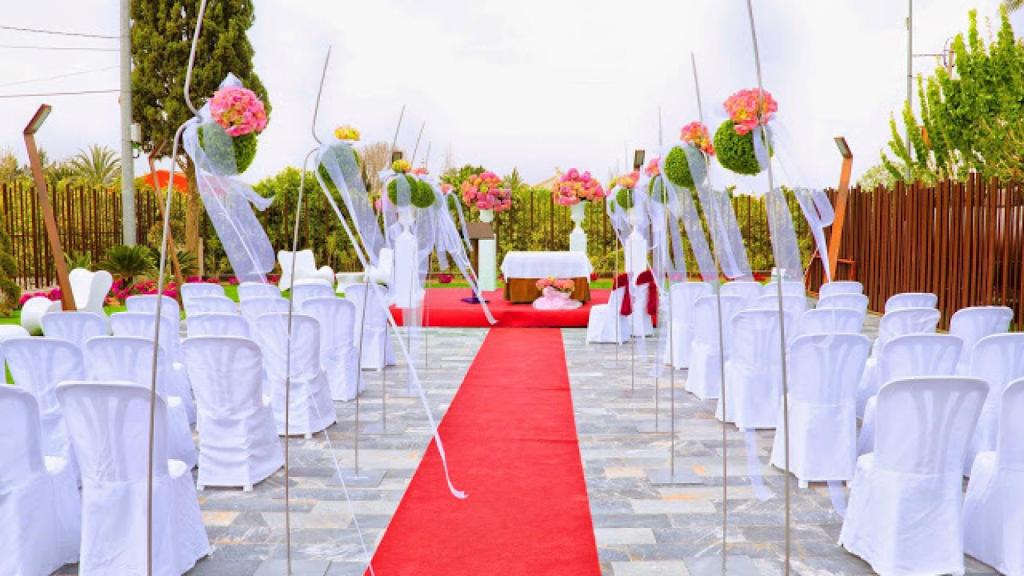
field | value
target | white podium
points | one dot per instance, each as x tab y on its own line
488	263
578	237
405	285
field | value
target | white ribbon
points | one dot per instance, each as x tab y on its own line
819	214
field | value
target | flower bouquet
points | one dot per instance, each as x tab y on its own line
573	188
407	189
656	183
624	186
749	111
565	285
237	116
484	192
344	154
555	294
678	162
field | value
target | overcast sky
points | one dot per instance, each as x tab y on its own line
533	84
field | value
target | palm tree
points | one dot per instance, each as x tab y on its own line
96	167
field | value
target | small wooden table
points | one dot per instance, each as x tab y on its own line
523	269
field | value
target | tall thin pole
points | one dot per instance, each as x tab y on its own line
394	139
910	78
128	233
416	148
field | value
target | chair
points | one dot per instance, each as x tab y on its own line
129	359
747	290
213	324
146	303
303	292
250	290
684	297
831	321
75	327
904	514
109	425
192	290
7	332
753	370
893	324
90	289
33	310
840	287
256	307
911	300
823	373
601	322
974	323
39	500
312	409
238	443
792	304
338	353
704	378
998	360
37	365
375	347
641	322
212	304
858	302
305	268
789	288
993	523
381	272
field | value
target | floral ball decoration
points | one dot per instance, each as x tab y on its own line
624	193
229	141
575	187
345	155
656	185
484	192
734	139
421	195
564	285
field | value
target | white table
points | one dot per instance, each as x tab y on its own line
523	269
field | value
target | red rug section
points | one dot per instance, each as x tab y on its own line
445	308
510	437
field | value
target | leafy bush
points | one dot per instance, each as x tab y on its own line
736	152
76	259
624	198
10	292
677	168
128	262
228	156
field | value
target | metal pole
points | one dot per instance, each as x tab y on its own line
128	233
359	365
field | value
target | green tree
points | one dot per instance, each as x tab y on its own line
874	177
96	167
161	39
10	292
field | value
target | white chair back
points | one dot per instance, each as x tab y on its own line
684	296
858	302
214	324
747	290
1010	444
924	424
124	359
308	291
840	287
376	311
824	368
226	375
198	290
142	325
256	307
998	360
272	334
614	299
74	327
793	304
305	265
831	321
911	300
337	318
212	304
905	321
705	313
789	288
755	337
251	290
916	355
21	437
974	323
147	303
90	289
39	364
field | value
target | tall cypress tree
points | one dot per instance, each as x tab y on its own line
161	39
10	292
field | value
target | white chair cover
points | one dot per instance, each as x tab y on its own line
904	514
911	300
7	332
789	288
794	305
250	290
305	268
998	360
90	289
840	287
39	503
704	377
994	505
338	353
641	323
974	323
858	302
33	310
376	346
747	290
238	443
129	359
893	324
212	304
312	409
37	366
213	324
823	373
303	292
75	327
381	272
684	298
256	307
601	321
109	424
199	290
753	370
147	303
831	321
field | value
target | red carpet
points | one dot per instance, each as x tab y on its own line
445	308
510	437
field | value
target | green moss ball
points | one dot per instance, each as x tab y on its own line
736	152
343	155
656	190
421	195
228	156
677	168
624	198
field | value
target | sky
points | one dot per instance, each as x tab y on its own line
537	85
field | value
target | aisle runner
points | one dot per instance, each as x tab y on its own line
510	436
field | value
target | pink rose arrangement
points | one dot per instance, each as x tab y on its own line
628	180
696	134
749	108
561	284
653	168
238	110
574	187
485	192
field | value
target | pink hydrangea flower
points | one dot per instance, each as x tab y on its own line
238	110
485	192
697	135
750	108
575	187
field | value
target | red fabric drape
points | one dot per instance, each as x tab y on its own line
646	277
622	281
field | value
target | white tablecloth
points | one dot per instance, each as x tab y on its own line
546	264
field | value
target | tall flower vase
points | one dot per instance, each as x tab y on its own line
577	238
487	258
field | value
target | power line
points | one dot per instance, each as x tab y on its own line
75	93
58	76
80	48
57	32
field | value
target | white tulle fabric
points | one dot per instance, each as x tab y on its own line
39	503
893	324
371	330
238	443
831	321
312	409
840	287
823	373
721	219
819	214
858	302
218	325
994	505
753	373
109	424
998	360
746	290
38	365
974	323
338	353
684	299
904	514
910	300
606	324
129	359
251	290
704	378
74	327
212	304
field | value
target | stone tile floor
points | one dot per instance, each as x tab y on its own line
641	529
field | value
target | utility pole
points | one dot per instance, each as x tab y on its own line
910	80
127	154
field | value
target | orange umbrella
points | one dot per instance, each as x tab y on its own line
159	179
